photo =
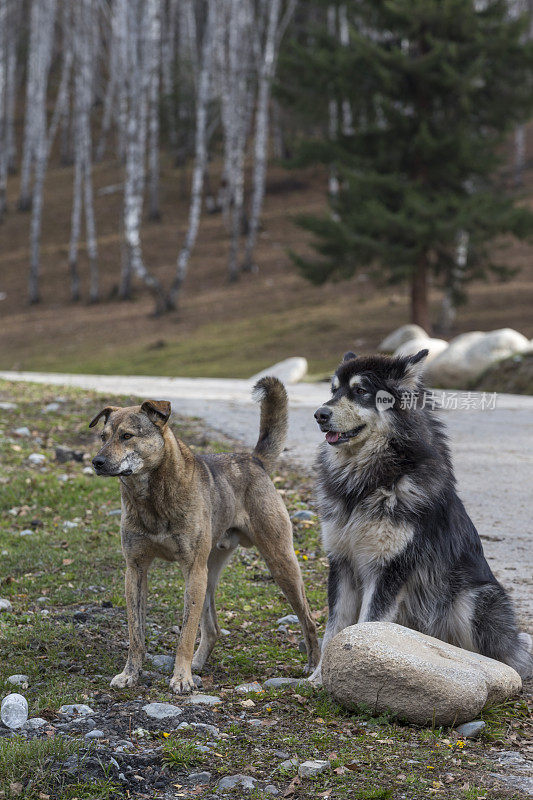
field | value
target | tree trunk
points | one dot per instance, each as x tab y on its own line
419	294
200	158
154	212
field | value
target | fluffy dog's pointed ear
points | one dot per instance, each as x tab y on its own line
414	366
349	356
158	411
105	412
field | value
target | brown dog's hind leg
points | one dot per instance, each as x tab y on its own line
195	588
275	545
136	585
209	629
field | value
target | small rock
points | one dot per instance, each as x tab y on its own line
234	781
37	459
51	407
291	370
276	683
303	515
8	406
115	512
88	471
290	763
471	730
5	605
26	532
203	700
68	524
162	663
225	632
280	754
311	768
204	727
400	336
282	629
202	748
95	734
35	723
244	688
255	722
23	431
14	710
289	619
162	710
19	680
76	708
199	778
271	789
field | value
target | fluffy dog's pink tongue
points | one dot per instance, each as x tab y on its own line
332	437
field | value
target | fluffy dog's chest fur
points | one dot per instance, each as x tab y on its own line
359	519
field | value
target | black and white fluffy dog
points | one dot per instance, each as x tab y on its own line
400	543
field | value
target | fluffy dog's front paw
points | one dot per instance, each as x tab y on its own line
182	684
316	678
124	679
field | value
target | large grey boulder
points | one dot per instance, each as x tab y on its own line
291	370
421	679
470	354
406	333
413	346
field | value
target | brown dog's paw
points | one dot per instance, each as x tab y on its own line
182	684
124	679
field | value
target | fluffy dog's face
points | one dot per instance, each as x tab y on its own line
133	438
365	392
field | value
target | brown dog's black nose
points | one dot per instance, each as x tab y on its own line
98	462
323	414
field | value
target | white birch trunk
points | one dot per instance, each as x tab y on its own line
3	105
41	142
200	160
333	109
154	212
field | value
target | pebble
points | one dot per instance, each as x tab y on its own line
276	683
234	781
163	663
37	459
244	688
290	619
76	708
290	763
5	605
51	407
204	727
26	532
162	710
95	734
88	471
470	730
69	524
225	632
115	512
8	406
203	700
303	515
23	431
35	723
255	722
309	769
281	754
198	778
271	789
42	600
19	680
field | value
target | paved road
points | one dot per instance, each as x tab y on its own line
492	449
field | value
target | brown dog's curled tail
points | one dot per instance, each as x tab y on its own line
270	392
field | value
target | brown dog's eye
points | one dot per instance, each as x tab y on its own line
127	436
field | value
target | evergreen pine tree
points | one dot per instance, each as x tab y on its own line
433	87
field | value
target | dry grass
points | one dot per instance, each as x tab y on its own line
218	330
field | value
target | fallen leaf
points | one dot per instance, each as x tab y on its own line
291	788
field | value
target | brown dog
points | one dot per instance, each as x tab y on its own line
196	510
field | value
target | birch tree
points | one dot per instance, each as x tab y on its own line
267	67
200	156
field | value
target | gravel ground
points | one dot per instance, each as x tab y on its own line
492	450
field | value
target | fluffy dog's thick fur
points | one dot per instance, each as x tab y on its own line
400	543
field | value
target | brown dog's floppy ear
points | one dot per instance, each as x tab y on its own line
105	412
157	410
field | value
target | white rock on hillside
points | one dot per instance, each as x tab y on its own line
413	346
419	678
291	370
470	354
406	333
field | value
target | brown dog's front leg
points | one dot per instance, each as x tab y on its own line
195	587
136	591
